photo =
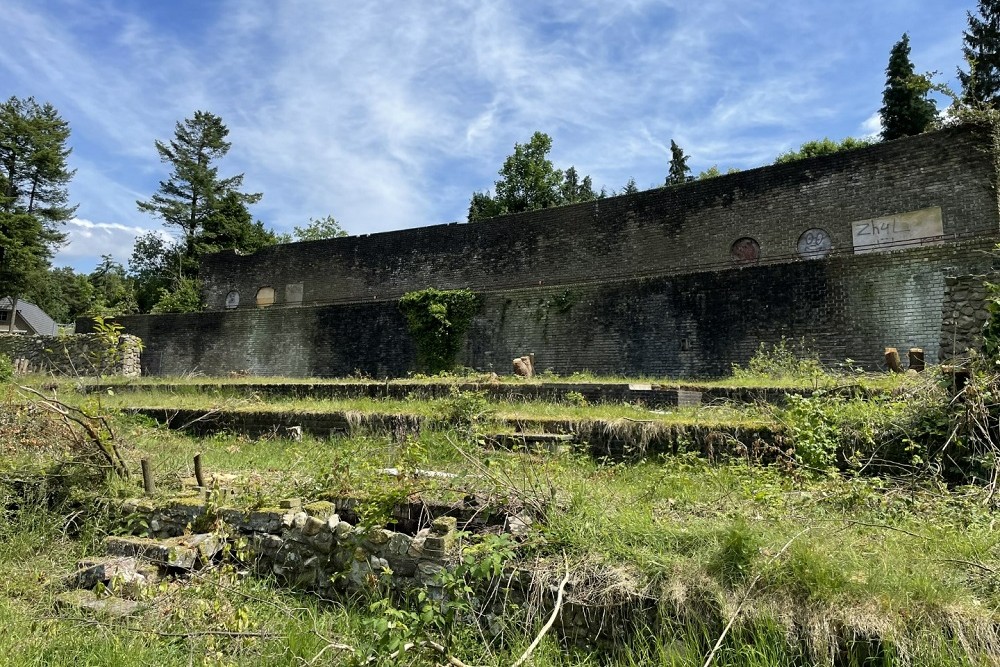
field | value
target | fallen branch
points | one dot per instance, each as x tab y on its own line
552	619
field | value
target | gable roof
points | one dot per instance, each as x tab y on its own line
35	317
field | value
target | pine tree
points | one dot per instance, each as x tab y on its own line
33	192
906	109
679	172
981	84
194	193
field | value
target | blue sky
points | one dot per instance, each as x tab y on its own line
390	114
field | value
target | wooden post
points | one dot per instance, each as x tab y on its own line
892	360
916	359
147	478
198	473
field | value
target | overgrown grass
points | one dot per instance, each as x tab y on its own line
810	566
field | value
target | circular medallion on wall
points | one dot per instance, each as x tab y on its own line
232	299
814	244
745	251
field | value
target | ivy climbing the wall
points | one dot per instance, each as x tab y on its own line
438	320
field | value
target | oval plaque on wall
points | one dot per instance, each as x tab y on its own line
232	299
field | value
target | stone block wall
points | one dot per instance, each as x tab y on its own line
312	547
963	313
81	354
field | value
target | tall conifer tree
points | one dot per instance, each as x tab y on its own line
679	172
981	84
194	193
906	109
34	198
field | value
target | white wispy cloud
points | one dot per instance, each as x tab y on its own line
389	115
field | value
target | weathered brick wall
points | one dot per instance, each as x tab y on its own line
664	231
685	325
639	284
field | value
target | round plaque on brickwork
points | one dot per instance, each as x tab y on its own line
815	244
745	251
232	299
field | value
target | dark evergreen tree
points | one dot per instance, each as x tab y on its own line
906	109
194	192
981	84
575	190
34	198
679	172
630	188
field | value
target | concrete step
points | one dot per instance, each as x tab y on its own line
533	442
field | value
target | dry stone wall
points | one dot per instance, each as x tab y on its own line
75	355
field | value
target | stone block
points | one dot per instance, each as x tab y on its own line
86	601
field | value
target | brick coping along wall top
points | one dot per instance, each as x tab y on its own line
850	252
781	213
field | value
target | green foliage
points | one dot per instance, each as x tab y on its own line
780	361
906	109
468	410
437	320
230	226
319	229
33	191
113	290
813	425
981	84
529	181
679	172
441	614
739	548
193	196
184	298
154	265
824	146
6	369
991	330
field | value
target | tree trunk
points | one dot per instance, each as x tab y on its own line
13	314
892	360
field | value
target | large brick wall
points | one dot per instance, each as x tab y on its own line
640	284
663	231
693	324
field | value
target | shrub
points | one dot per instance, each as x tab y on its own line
782	360
438	319
6	369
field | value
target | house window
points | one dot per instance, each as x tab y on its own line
3	315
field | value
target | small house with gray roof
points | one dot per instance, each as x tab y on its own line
30	319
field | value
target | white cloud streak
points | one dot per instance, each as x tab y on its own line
389	115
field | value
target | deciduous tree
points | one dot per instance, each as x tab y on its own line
529	181
823	146
319	229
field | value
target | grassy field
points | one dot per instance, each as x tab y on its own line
809	564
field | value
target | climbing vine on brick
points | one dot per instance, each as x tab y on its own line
438	320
